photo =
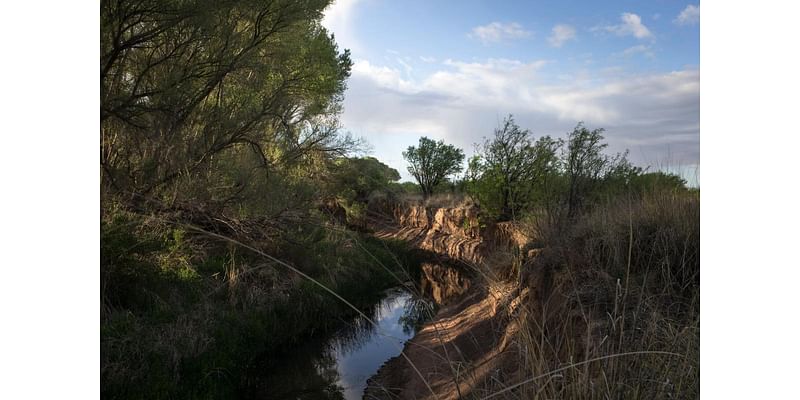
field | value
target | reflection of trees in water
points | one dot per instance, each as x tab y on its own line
359	331
354	334
416	312
310	371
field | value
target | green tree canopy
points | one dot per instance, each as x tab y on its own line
511	167
357	178
182	82
586	166
432	162
659	180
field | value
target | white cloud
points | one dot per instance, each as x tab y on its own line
638	49
498	31
495	81
385	77
652	115
338	18
561	33
631	26
689	16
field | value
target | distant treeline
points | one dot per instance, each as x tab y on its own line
513	173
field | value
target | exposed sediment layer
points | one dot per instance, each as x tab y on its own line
468	345
456	233
460	352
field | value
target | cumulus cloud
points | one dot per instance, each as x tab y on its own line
631	25
560	34
653	115
498	32
383	76
689	16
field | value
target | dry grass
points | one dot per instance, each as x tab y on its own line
606	306
613	307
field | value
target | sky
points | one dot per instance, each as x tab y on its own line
453	70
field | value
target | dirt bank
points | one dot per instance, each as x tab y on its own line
608	310
468	347
465	349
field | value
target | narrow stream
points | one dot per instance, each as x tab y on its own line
338	366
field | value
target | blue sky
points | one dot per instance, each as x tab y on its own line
453	70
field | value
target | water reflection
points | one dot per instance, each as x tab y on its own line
416	311
338	366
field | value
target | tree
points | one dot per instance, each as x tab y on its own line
510	167
357	178
586	166
406	187
432	162
185	83
546	174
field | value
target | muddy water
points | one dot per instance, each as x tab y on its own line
337	366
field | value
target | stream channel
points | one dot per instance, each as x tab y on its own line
338	364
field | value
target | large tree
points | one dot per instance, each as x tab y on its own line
432	162
185	85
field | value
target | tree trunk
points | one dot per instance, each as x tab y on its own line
426	192
505	209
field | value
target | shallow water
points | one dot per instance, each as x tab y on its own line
337	366
356	363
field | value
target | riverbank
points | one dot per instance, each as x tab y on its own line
468	344
606	307
469	341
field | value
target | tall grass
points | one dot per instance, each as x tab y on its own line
613	302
